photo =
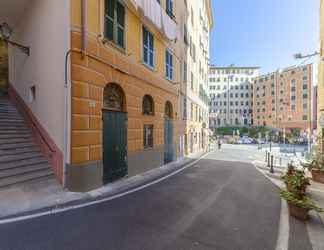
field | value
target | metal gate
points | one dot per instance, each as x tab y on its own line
168	140
114	145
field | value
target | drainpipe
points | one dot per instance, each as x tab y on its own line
66	87
83	26
66	116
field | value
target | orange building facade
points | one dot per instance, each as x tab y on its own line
109	77
285	99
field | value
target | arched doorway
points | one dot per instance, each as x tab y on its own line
168	133
114	133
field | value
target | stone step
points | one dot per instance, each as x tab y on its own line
12	126
17	145
23	163
17	151
23	170
11	121
12	116
16	135
8	141
19	157
13	130
5	113
8	108
14	180
22	130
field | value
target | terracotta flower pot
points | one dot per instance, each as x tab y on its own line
318	175
298	212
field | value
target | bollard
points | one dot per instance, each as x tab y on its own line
271	165
266	158
268	164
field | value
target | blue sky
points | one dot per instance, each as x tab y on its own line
263	33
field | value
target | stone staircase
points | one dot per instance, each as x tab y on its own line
20	158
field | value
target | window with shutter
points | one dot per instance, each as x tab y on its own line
148	136
115	22
168	65
169	8
148	48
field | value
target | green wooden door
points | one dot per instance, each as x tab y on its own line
114	145
168	141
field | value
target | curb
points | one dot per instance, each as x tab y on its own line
315	227
115	190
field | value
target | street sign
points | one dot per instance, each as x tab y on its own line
321	121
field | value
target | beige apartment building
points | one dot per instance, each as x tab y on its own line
194	89
286	99
231	96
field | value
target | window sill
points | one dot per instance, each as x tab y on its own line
169	80
148	148
109	43
148	66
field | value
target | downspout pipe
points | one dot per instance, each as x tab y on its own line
66	87
66	116
83	26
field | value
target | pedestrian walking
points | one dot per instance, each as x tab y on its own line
219	143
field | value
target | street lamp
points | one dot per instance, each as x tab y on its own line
301	56
310	105
5	34
228	95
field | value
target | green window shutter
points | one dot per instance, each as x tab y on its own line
120	24
109	19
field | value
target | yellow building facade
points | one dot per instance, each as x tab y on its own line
320	91
113	72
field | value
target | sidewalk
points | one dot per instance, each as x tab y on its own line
47	195
315	226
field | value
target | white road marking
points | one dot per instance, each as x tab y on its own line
284	228
87	204
283	232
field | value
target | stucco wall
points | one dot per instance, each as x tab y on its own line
3	66
320	75
44	26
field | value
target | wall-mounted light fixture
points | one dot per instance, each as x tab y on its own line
301	56
5	34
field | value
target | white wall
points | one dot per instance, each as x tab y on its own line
44	26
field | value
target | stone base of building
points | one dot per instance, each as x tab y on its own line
88	176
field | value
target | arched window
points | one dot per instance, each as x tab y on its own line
168	110
148	105
113	98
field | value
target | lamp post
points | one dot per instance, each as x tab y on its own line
228	97
310	105
286	104
5	34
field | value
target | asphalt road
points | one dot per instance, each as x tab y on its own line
212	205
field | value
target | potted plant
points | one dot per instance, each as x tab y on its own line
299	203
296	182
316	167
299	208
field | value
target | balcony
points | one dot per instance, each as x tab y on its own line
156	15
